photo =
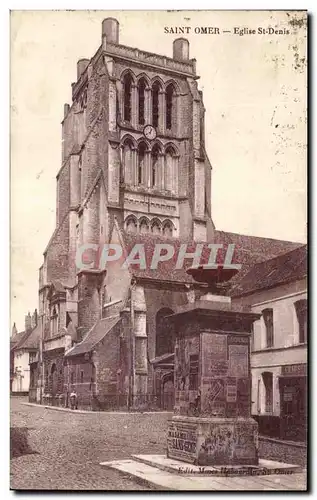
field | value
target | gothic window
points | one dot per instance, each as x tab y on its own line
141	95
141	162
301	313
54	321
144	226
155	104
169	100
164	333
128	161
168	229
127	97
131	225
154	167
268	321
156	227
170	168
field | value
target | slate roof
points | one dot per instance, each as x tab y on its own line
164	357
248	251
94	336
16	339
288	267
30	340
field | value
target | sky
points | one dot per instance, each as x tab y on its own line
254	89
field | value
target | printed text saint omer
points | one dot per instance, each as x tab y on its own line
211	30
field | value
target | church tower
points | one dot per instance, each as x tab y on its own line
159	178
133	151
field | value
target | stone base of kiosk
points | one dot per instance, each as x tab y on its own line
213	440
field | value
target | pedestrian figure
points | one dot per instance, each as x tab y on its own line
73	399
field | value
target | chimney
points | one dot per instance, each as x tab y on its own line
181	49
14	330
28	322
66	109
81	66
34	319
110	30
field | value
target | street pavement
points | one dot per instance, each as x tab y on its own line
70	446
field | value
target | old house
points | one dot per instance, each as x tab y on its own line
23	347
134	170
277	288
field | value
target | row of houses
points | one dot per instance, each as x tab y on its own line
276	288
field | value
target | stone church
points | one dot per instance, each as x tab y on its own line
134	170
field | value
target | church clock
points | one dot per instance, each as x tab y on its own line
149	132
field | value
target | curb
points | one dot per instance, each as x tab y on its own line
296	444
57	408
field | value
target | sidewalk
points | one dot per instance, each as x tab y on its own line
163	480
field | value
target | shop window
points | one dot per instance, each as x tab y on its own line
301	313
269	331
268	387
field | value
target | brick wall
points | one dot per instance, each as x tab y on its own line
55	356
107	362
80	375
57	253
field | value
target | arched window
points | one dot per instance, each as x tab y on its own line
141	95
169	105
154	166
141	162
144	226
54	322
164	332
155	104
127	90
131	225
128	162
156	227
168	229
170	167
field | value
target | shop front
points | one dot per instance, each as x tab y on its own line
293	402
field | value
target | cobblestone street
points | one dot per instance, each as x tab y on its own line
70	446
